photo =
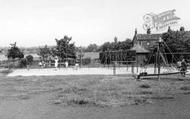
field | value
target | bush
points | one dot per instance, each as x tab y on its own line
14	52
22	63
29	59
86	61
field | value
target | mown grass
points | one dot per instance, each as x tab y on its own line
92	90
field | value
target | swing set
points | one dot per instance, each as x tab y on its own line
120	58
161	61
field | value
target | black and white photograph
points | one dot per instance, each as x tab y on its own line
94	59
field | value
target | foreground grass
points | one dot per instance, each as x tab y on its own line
92	90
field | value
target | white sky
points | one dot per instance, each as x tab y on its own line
39	22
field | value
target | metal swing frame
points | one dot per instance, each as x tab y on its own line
158	63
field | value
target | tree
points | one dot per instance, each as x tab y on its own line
182	28
124	45
105	47
22	63
119	45
29	59
175	40
64	49
45	53
14	52
92	48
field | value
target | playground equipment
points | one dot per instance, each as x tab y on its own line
120	58
161	61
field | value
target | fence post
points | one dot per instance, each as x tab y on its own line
137	64
132	68
114	68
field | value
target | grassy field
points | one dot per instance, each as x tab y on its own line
87	91
93	90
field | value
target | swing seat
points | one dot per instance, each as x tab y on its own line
142	75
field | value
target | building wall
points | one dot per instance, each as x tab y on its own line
140	59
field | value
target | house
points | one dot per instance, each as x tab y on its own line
141	54
142	43
146	40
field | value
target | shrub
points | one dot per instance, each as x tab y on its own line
22	63
86	61
29	59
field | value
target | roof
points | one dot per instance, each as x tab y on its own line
148	36
139	49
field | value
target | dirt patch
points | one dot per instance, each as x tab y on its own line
144	86
185	88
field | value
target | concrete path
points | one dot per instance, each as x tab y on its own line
81	71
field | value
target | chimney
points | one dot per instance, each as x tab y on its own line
182	28
115	39
148	31
135	31
169	29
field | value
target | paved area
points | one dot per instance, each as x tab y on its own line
82	71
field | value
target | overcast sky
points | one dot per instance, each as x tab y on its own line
39	22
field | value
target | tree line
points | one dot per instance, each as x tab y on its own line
175	44
177	41
64	49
